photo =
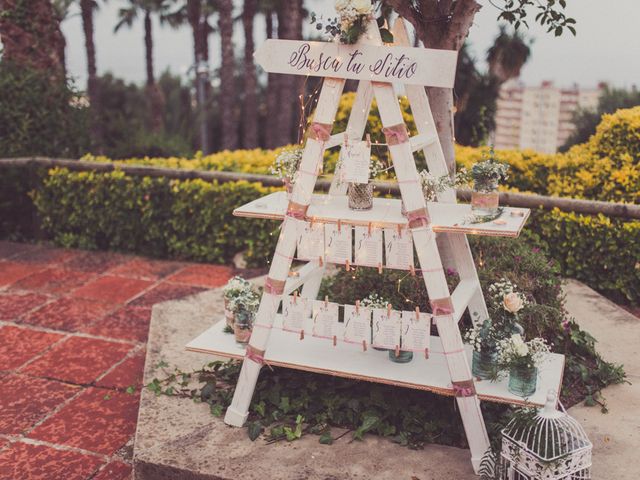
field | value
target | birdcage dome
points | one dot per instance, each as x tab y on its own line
546	444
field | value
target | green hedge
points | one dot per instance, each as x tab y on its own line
158	217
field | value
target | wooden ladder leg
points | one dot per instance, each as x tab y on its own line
278	273
431	264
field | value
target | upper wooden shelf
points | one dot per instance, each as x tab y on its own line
446	217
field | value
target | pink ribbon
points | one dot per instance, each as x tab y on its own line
418	217
441	306
320	131
297	210
396	134
463	391
273	287
254	355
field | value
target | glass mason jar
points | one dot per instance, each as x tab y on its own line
243	325
485	198
228	314
523	381
482	364
403	356
360	196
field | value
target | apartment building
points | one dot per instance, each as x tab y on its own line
538	118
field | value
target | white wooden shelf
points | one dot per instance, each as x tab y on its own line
346	360
445	217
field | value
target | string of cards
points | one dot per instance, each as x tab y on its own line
379	327
342	244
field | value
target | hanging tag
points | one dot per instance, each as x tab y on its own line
368	247
398	249
355	158
310	240
295	311
325	319
386	325
416	331
337	244
357	324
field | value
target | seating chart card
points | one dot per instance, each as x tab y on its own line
295	310
310	240
368	246
357	324
325	319
416	331
386	328
355	157
337	243
398	248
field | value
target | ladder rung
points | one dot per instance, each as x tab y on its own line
422	140
302	275
335	140
461	297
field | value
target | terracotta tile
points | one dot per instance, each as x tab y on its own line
203	275
165	292
78	360
127	374
128	323
13	306
37	462
114	471
11	271
145	268
112	289
98	420
54	280
11	249
18	345
46	255
69	314
26	400
95	262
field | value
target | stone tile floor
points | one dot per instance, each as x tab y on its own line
73	332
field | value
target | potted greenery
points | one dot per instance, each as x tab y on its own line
522	359
286	165
234	288
485	176
244	306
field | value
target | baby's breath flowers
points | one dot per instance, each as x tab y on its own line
286	164
514	352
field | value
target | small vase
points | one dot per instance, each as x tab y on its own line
360	196
523	381
228	314
485	198
403	356
243	326
482	364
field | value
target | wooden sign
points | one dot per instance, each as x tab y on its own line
407	65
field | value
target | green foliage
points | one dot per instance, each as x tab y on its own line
39	115
184	219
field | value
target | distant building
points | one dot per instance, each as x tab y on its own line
538	118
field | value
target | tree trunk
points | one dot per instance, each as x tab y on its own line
93	85
272	93
154	94
227	99
31	36
250	105
289	20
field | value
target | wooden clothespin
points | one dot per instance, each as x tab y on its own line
320	261
380	268
301	334
335	340
311	220
370	228
426	353
399	230
346	139
364	345
326	301
346	265
397	350
358	307
339	225
417	313
388	310
295	297
413	270
368	140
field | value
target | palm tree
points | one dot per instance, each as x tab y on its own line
87	8
126	18
507	55
250	104
227	98
267	8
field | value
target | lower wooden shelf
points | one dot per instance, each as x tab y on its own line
345	360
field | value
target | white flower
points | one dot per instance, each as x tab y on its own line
341	4
363	7
512	302
521	349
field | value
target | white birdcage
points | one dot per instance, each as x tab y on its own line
547	445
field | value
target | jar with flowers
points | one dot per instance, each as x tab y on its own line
485	176
235	287
244	307
286	165
522	359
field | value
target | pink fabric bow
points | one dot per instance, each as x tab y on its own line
273	287
320	131
396	134
419	216
463	391
441	306
254	355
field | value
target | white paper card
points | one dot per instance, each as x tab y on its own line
294	313
386	328
337	243
357	325
355	157
368	247
416	332
398	248
310	240
325	319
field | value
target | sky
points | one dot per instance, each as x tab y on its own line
606	48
